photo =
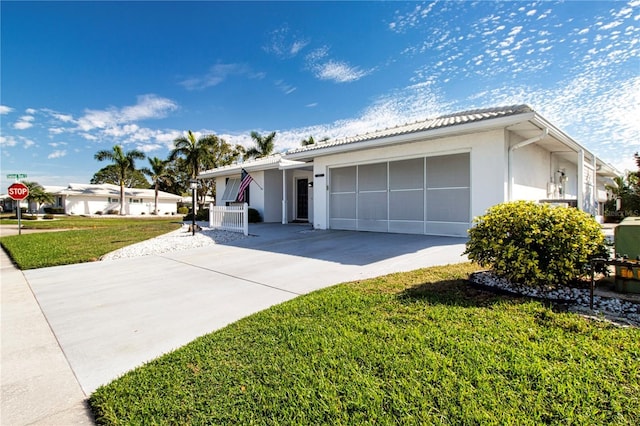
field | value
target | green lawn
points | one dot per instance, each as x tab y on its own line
410	348
84	239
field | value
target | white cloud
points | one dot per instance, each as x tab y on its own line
147	107
30	111
284	45
531	12
219	73
57	154
325	68
12	141
24	122
287	89
5	109
7	141
57	130
611	25
340	72
318	54
412	19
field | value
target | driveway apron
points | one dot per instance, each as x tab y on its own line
112	316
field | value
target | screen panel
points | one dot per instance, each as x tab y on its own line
343	179
406	174
448	171
372	177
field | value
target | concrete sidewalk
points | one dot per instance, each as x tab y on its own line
90	323
38	385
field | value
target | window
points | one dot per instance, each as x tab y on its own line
231	190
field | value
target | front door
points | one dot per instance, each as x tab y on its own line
302	199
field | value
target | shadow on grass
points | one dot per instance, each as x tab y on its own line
456	292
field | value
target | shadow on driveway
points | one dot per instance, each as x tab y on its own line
344	247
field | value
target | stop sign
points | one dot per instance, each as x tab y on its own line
18	191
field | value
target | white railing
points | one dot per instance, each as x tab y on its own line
230	218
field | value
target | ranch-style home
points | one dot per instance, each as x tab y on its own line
429	177
91	199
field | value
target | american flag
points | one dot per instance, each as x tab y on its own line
244	184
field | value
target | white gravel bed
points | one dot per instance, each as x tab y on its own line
617	310
180	239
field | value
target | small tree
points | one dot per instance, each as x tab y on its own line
38	195
125	164
535	244
159	173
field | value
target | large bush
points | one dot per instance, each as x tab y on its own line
535	244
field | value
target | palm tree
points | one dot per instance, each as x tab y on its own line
264	145
38	195
125	163
159	173
207	152
197	154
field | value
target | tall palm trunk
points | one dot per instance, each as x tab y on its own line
155	207
121	197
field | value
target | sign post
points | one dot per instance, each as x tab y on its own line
18	191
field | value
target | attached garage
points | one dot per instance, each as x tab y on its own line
416	178
424	195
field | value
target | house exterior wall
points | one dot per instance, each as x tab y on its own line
531	173
487	172
272	196
82	204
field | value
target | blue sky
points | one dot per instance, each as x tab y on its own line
78	77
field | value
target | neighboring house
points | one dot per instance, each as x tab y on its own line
88	199
429	177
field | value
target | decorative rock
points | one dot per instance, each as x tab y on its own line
181	239
613	308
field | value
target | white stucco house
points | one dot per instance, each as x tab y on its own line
428	177
90	199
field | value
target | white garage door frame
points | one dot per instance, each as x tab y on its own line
427	194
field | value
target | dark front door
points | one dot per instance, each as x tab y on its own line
302	202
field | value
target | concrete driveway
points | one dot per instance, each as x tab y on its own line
112	316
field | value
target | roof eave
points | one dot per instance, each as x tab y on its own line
463	128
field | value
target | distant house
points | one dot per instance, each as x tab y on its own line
88	199
429	177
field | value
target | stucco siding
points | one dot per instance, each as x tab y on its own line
273	196
531	173
486	163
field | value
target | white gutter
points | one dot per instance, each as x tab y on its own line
519	145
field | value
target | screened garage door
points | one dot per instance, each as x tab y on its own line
428	195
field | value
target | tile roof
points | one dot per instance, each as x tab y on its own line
107	189
272	160
458	118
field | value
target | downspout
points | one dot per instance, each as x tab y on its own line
581	183
284	196
519	145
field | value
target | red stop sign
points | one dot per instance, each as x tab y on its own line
18	191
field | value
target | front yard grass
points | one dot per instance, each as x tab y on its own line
84	239
410	348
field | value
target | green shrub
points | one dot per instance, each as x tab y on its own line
48	216
202	216
183	210
54	210
535	244
254	216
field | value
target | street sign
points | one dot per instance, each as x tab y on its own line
18	191
16	176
